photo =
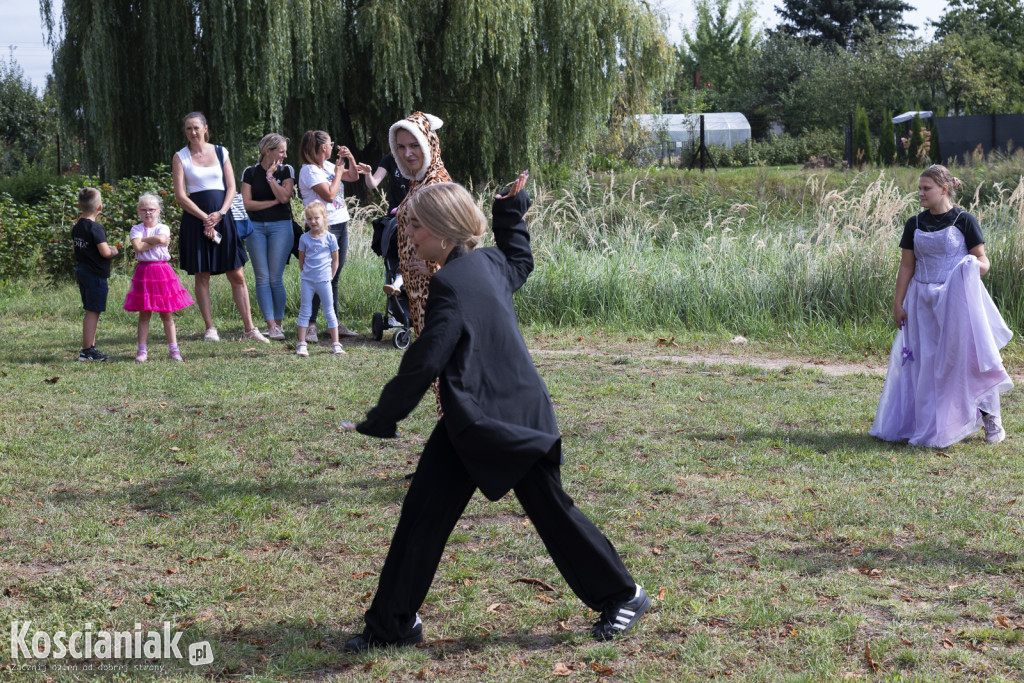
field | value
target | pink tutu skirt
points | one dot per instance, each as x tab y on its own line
156	287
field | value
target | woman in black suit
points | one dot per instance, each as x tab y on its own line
498	432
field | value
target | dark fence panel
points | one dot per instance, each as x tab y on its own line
959	136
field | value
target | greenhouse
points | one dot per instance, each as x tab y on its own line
683	130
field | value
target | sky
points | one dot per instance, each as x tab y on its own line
21	28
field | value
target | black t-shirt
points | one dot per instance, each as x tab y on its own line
926	221
85	235
398	185
256	178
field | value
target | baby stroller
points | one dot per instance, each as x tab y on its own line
396	309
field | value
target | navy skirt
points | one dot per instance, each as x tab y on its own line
196	253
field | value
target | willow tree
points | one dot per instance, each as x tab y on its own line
510	77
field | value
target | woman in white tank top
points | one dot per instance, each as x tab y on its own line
208	244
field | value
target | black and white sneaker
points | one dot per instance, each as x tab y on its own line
617	620
91	354
367	641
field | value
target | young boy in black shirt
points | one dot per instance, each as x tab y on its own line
92	254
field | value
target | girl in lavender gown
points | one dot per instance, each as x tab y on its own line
945	372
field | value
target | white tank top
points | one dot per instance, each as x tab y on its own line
200	178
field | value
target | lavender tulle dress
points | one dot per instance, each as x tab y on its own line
944	366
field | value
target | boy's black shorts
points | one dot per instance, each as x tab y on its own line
93	289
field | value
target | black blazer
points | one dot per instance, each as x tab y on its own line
497	410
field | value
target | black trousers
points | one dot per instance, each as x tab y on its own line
440	491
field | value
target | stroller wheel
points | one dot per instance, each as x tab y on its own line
377	326
401	338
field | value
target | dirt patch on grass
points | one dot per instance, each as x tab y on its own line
763	362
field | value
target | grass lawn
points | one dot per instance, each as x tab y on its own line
778	540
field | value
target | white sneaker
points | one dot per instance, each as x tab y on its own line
311	334
301	350
256	336
211	334
994	432
337	350
275	332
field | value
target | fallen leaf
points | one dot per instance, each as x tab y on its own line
535	582
564	626
172	570
701	399
240	589
656	551
494	607
148	600
947	643
1011	502
561	669
1003	622
601	670
422	673
906	642
117	602
331	408
545	598
942	455
359	575
661	593
37	520
174	449
249	350
52	380
872	664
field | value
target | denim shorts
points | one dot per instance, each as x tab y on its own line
93	289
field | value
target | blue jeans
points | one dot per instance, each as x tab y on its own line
269	246
309	292
340	232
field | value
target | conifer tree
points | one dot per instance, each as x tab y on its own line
914	156
886	140
861	137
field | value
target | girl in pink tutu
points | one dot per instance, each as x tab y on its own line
155	286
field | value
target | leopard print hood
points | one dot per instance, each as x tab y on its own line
422	127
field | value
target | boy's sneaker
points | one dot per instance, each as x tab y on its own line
301	350
344	331
336	349
994	432
256	336
275	333
367	641
211	334
619	619
311	334
91	354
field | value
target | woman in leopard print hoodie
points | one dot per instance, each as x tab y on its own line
417	152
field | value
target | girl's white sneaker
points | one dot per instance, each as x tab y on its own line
301	350
336	349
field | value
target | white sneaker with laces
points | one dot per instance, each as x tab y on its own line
256	336
994	432
275	333
211	334
336	349
301	350
311	334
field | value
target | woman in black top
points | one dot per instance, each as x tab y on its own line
267	192
498	432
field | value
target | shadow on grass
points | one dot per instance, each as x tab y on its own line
822	441
186	491
816	559
293	648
